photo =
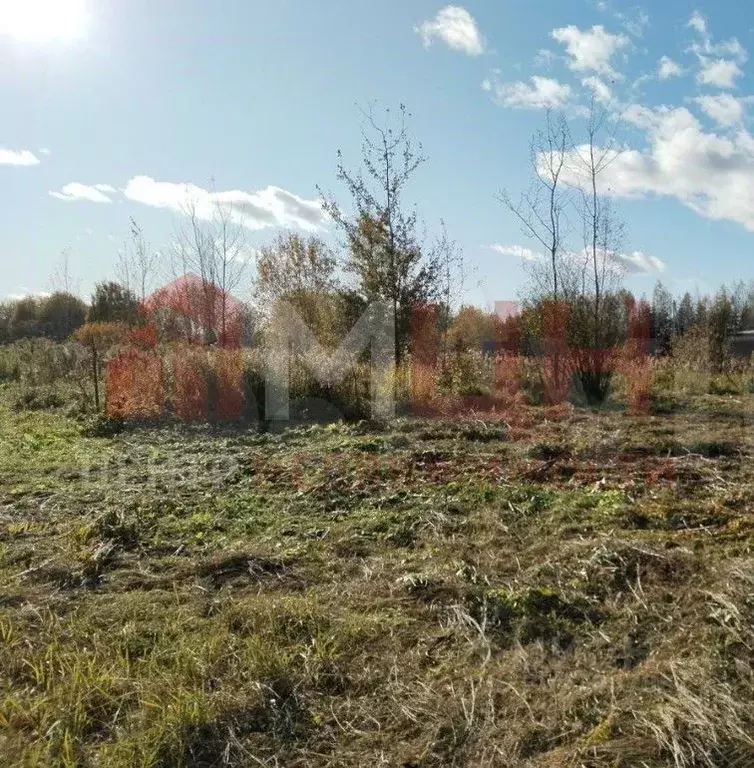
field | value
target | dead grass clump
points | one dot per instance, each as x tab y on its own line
628	567
239	568
531	615
699	720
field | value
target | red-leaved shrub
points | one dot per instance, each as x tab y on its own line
636	364
227	368
135	385
190	376
556	370
425	345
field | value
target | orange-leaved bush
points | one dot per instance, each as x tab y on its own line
556	371
135	385
635	362
190	379
425	345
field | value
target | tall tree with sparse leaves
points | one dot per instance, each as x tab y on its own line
541	210
385	253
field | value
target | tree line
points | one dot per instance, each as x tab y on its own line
383	254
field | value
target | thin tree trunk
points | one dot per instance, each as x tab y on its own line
95	374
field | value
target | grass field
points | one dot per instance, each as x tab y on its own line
558	587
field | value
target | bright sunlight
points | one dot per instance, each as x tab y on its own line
42	21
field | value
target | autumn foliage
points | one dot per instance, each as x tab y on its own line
507	372
206	383
190	382
425	344
144	337
135	385
228	377
199	369
557	358
98	338
636	363
193	309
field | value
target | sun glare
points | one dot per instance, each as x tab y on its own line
42	21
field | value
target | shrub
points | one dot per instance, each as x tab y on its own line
190	376
692	350
98	338
37	362
135	385
252	387
593	371
725	384
556	368
34	399
508	370
466	373
637	370
226	389
102	425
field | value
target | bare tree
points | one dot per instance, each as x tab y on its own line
541	210
215	249
137	262
61	280
451	277
602	229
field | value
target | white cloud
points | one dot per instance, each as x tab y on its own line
540	93
634	24
724	109
517	251
17	157
719	72
639	116
711	174
705	47
24	293
84	192
668	68
599	88
636	263
455	27
719	62
44	151
270	207
698	22
590	50
544	58
244	253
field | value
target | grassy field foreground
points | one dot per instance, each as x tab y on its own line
558	588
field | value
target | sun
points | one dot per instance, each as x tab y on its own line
43	21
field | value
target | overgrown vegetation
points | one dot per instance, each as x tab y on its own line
546	560
557	586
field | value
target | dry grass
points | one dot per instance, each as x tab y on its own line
554	587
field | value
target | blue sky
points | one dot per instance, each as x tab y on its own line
111	106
